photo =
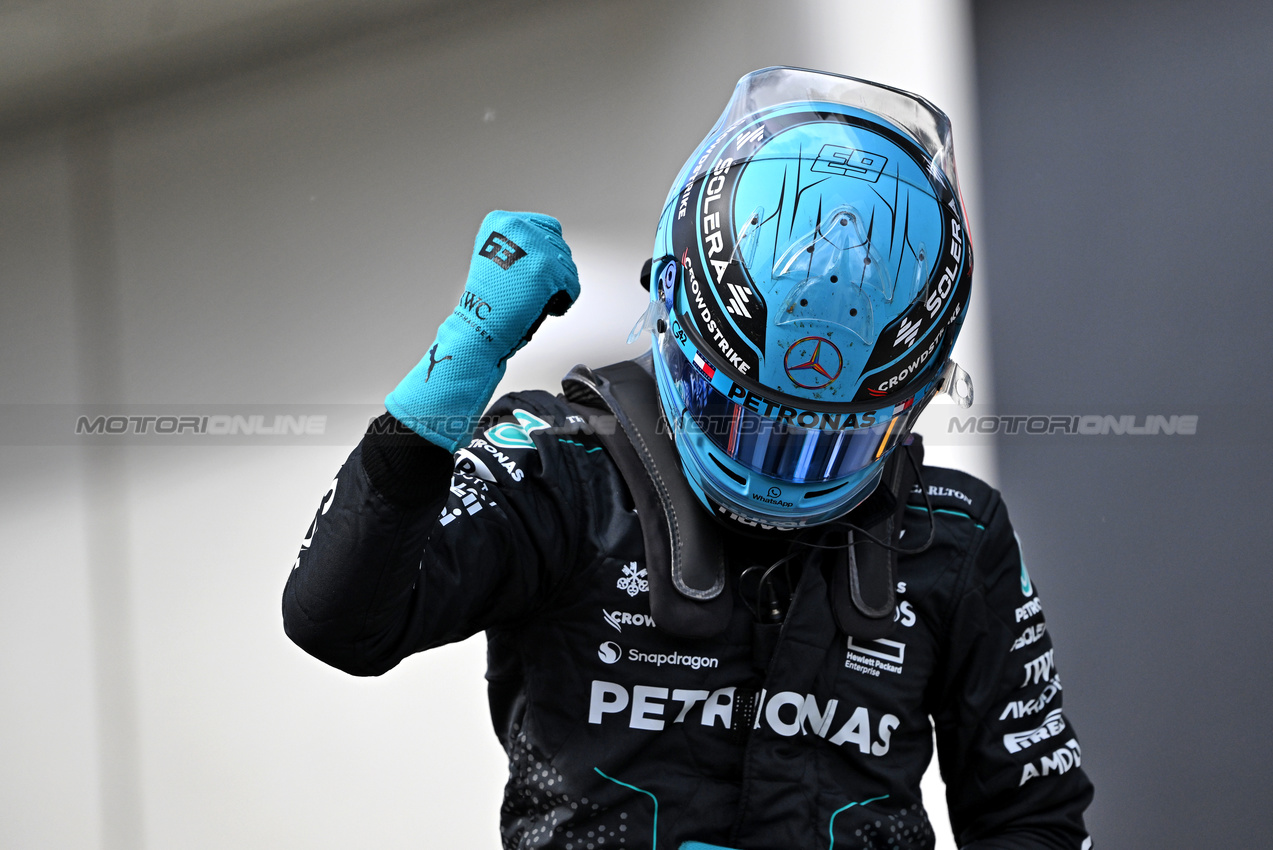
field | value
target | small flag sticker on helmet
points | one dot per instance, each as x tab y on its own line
899	408
703	366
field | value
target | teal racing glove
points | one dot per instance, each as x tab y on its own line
521	272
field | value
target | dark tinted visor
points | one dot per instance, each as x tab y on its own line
774	446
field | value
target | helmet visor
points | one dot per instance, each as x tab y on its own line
923	122
777	445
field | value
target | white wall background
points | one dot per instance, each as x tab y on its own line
292	235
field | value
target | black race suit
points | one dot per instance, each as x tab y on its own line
788	737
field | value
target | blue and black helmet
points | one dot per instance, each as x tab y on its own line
811	273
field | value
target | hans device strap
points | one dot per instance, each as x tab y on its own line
863	584
684	553
684	556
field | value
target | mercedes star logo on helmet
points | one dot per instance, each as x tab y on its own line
813	362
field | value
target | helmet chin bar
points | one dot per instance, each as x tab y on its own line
723	506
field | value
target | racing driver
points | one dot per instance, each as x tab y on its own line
726	604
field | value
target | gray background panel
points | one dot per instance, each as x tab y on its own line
1126	194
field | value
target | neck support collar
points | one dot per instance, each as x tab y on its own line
685	561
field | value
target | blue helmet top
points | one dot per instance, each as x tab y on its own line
812	267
